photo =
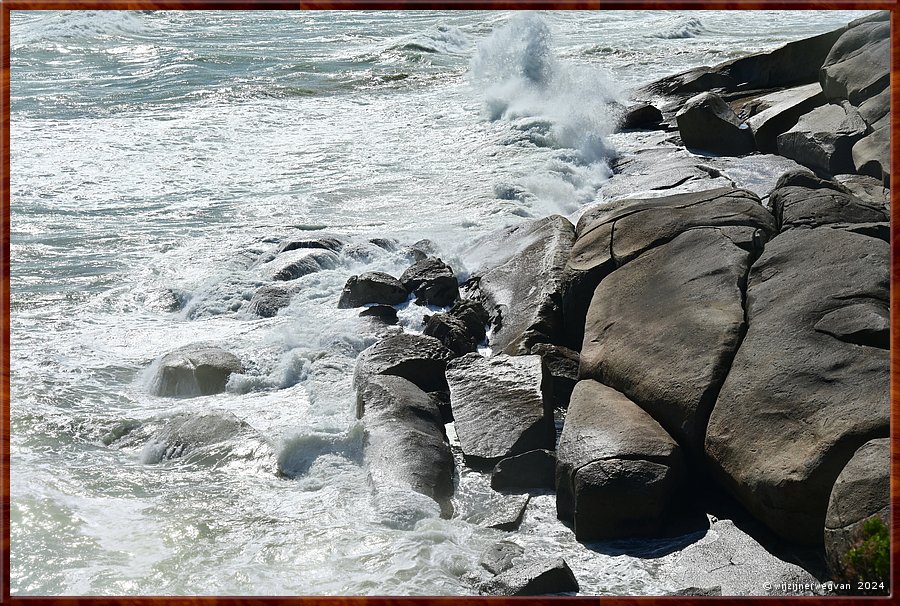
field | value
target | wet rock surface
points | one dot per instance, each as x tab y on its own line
194	370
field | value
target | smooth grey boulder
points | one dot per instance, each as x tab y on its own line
617	471
822	139
405	441
372	287
562	363
779	111
501	556
862	491
382	313
876	107
825	396
502	406
432	281
268	299
858	65
868	189
418	358
184	433
640	115
872	154
297	263
532	469
452	332
519	280
707	122
324	242
611	235
663	329
193	370
537	577
801	200
508	513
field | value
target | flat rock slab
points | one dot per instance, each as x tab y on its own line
861	491
779	111
507	513
663	329
533	469
617	469
405	444
826	396
418	358
501	406
804	201
540	577
194	370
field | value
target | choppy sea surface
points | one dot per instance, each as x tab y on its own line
158	158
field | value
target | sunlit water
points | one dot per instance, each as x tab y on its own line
169	152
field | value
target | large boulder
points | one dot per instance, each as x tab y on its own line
798	371
801	200
519	280
502	406
858	65
822	139
432	281
663	328
862	491
609	236
872	154
299	262
268	299
420	359
617	470
534	577
193	370
405	442
372	287
779	111
707	122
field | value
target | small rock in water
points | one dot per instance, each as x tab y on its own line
382	313
372	287
540	577
501	556
267	300
509	513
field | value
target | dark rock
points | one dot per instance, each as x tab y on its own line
452	332
826	397
707	122
417	358
382	313
194	370
405	445
617	469
861	491
432	281
519	281
539	577
663	328
372	287
876	16
501	406
805	201
508	513
325	242
562	363
872	154
858	65
501	556
532	469
640	115
441	399
300	262
268	299
823	138
474	316
715	590
780	112
640	225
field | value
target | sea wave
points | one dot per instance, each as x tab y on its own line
684	28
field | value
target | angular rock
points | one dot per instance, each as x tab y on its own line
822	139
268	299
324	242
872	154
532	469
562	363
417	358
780	112
640	115
801	200
826	397
452	332
193	370
432	281
858	65
501	406
501	556
372	287
300	262
868	189
876	107
663	328
405	445
862	490
474	316
540	577
382	313
508	513
707	122
617	470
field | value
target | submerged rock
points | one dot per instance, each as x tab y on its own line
501	556
330	243
300	262
268	299
372	287
539	577
194	370
184	433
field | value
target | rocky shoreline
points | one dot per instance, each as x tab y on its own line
717	325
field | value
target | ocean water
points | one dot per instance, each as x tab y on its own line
157	159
